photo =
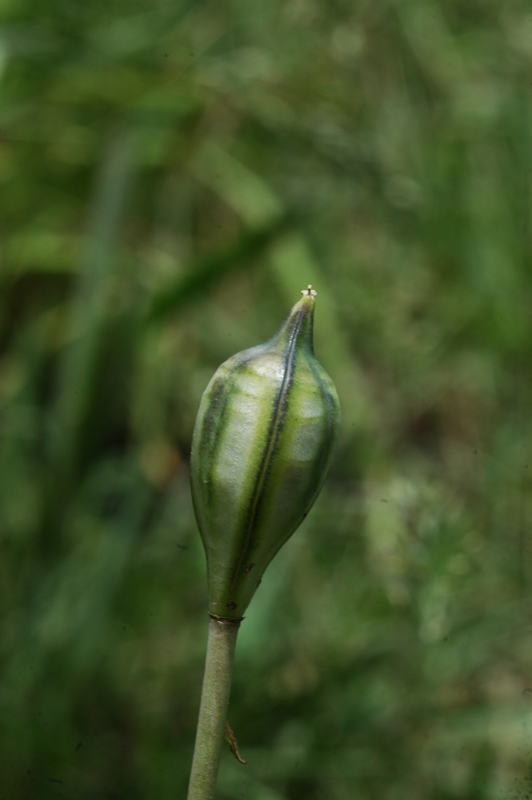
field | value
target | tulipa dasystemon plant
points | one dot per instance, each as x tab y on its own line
261	449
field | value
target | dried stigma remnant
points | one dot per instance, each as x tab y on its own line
261	449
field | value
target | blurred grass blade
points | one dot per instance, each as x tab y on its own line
210	269
242	189
89	310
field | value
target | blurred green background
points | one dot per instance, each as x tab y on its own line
173	174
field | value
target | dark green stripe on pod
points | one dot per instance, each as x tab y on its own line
262	445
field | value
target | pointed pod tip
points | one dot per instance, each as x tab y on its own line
309	292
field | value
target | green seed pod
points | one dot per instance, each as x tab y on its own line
261	448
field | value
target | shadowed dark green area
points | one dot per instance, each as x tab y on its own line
173	174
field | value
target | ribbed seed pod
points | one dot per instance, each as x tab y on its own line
261	448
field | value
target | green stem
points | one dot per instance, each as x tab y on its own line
213	708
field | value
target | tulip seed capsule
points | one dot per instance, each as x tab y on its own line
261	449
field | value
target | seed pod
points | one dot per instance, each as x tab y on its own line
261	449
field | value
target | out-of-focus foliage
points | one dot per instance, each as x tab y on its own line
173	174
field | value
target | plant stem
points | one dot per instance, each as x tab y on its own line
213	708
